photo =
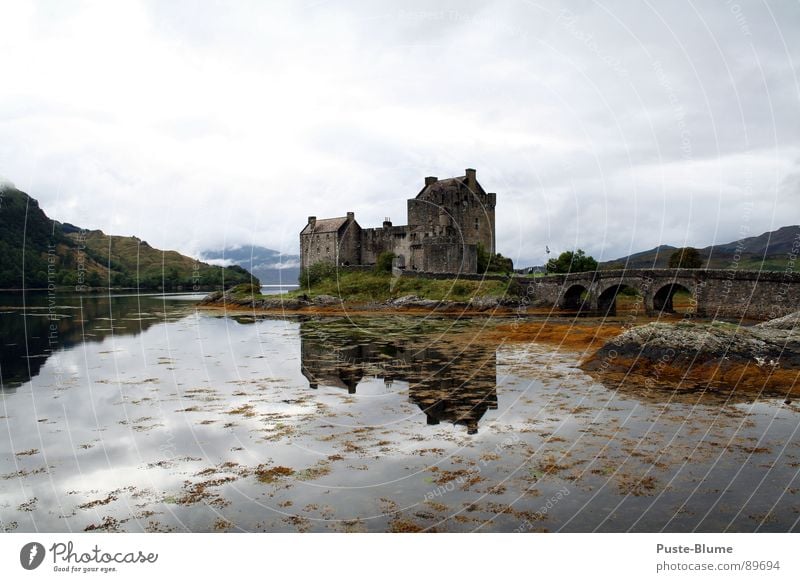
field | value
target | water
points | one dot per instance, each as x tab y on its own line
277	289
139	413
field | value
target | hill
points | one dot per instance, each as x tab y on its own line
36	251
270	266
767	251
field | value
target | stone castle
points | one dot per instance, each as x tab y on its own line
447	221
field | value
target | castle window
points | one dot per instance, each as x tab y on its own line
327	249
477	224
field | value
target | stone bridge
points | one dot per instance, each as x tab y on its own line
728	293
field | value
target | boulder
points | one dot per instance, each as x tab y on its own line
326	300
694	354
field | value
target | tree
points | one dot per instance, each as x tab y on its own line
489	263
686	258
572	262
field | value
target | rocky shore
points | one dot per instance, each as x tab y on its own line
693	355
686	355
327	303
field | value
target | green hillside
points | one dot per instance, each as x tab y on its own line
766	252
36	251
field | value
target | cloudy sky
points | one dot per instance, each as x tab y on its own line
611	126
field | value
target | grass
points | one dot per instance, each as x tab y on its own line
373	286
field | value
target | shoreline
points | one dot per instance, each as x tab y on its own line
629	351
366	309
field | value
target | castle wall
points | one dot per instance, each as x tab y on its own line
443	255
318	248
453	211
350	244
375	241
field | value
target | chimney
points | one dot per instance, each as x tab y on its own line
312	222
430	180
351	216
387	223
472	182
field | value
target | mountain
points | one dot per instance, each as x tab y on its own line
36	251
768	251
270	266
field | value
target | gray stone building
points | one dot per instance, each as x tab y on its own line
446	222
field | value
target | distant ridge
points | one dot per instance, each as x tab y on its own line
36	251
768	251
270	266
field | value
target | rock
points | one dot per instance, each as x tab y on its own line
211	298
326	300
694	353
484	303
684	343
789	322
413	301
404	300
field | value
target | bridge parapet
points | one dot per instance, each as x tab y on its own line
728	293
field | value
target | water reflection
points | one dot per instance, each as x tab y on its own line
34	326
449	382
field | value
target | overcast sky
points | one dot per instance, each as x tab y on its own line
608	126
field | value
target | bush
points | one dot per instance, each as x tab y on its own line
315	274
461	288
384	262
489	263
515	289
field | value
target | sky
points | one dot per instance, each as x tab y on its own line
608	126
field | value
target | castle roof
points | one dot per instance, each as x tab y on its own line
458	183
325	225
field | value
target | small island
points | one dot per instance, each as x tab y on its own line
683	325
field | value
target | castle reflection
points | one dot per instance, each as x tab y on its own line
449	382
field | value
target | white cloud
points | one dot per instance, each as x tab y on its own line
614	128
219	262
281	265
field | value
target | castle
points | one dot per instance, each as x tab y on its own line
447	221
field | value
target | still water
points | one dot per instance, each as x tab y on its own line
139	413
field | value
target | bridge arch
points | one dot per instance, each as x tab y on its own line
607	299
576	298
664	296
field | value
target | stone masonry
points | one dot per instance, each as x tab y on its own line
447	220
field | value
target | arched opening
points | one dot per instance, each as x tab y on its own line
673	298
575	298
607	301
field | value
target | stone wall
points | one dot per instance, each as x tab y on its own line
440	255
456	212
319	247
350	244
442	276
375	241
337	247
751	295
